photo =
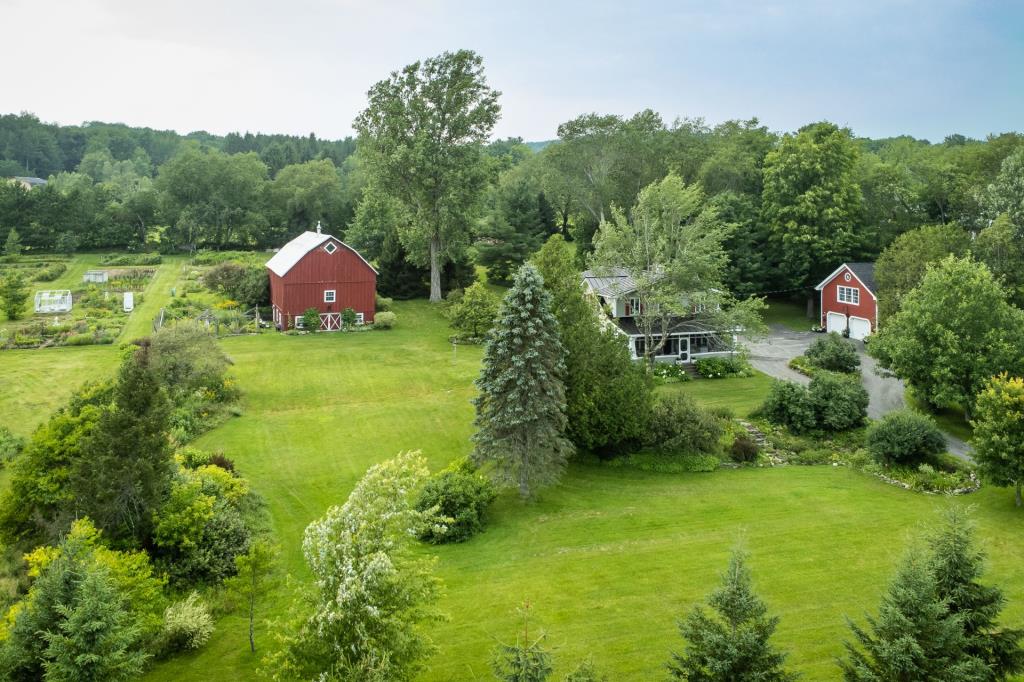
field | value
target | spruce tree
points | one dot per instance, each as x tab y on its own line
734	646
520	412
97	639
525	661
12	247
14	295
914	636
608	395
125	468
956	564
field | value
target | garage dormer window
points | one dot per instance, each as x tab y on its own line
849	295
330	248
329	295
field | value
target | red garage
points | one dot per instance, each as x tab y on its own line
316	270
848	302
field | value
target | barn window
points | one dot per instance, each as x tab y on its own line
330	248
359	318
329	295
848	295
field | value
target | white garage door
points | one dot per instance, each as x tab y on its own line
859	327
835	322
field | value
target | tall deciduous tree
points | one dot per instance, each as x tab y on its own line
734	644
951	334
914	636
520	412
671	247
421	138
1001	248
901	267
125	468
1006	194
372	589
812	202
999	432
607	395
957	564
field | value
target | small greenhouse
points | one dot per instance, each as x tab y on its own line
57	301
95	276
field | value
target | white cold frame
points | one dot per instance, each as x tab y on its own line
329	295
848	295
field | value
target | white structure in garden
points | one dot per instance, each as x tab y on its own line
56	301
129	301
95	276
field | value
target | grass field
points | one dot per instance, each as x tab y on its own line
609	559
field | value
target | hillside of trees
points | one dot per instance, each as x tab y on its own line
796	203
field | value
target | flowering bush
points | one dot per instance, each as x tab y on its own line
723	367
187	625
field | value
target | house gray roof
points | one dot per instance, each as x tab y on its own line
32	182
609	282
677	325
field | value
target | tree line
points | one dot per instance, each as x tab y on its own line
423	186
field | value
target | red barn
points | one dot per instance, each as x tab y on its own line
316	270
848	301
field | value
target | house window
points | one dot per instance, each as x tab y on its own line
329	296
330	248
359	318
633	308
300	322
849	295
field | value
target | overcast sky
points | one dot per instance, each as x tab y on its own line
927	68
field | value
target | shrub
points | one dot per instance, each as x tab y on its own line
678	424
839	403
723	367
311	320
187	625
348	317
669	371
905	437
10	445
248	284
744	449
789	404
463	496
50	272
662	463
384	320
217	459
833	353
80	340
383	304
132	259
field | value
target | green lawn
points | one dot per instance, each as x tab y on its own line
741	395
610	559
789	314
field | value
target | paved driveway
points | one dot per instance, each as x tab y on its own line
772	354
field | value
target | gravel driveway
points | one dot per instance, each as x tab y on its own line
772	354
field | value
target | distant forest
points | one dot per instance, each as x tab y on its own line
797	203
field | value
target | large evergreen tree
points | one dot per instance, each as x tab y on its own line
607	395
520	412
14	294
914	636
125	468
516	226
957	563
734	645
